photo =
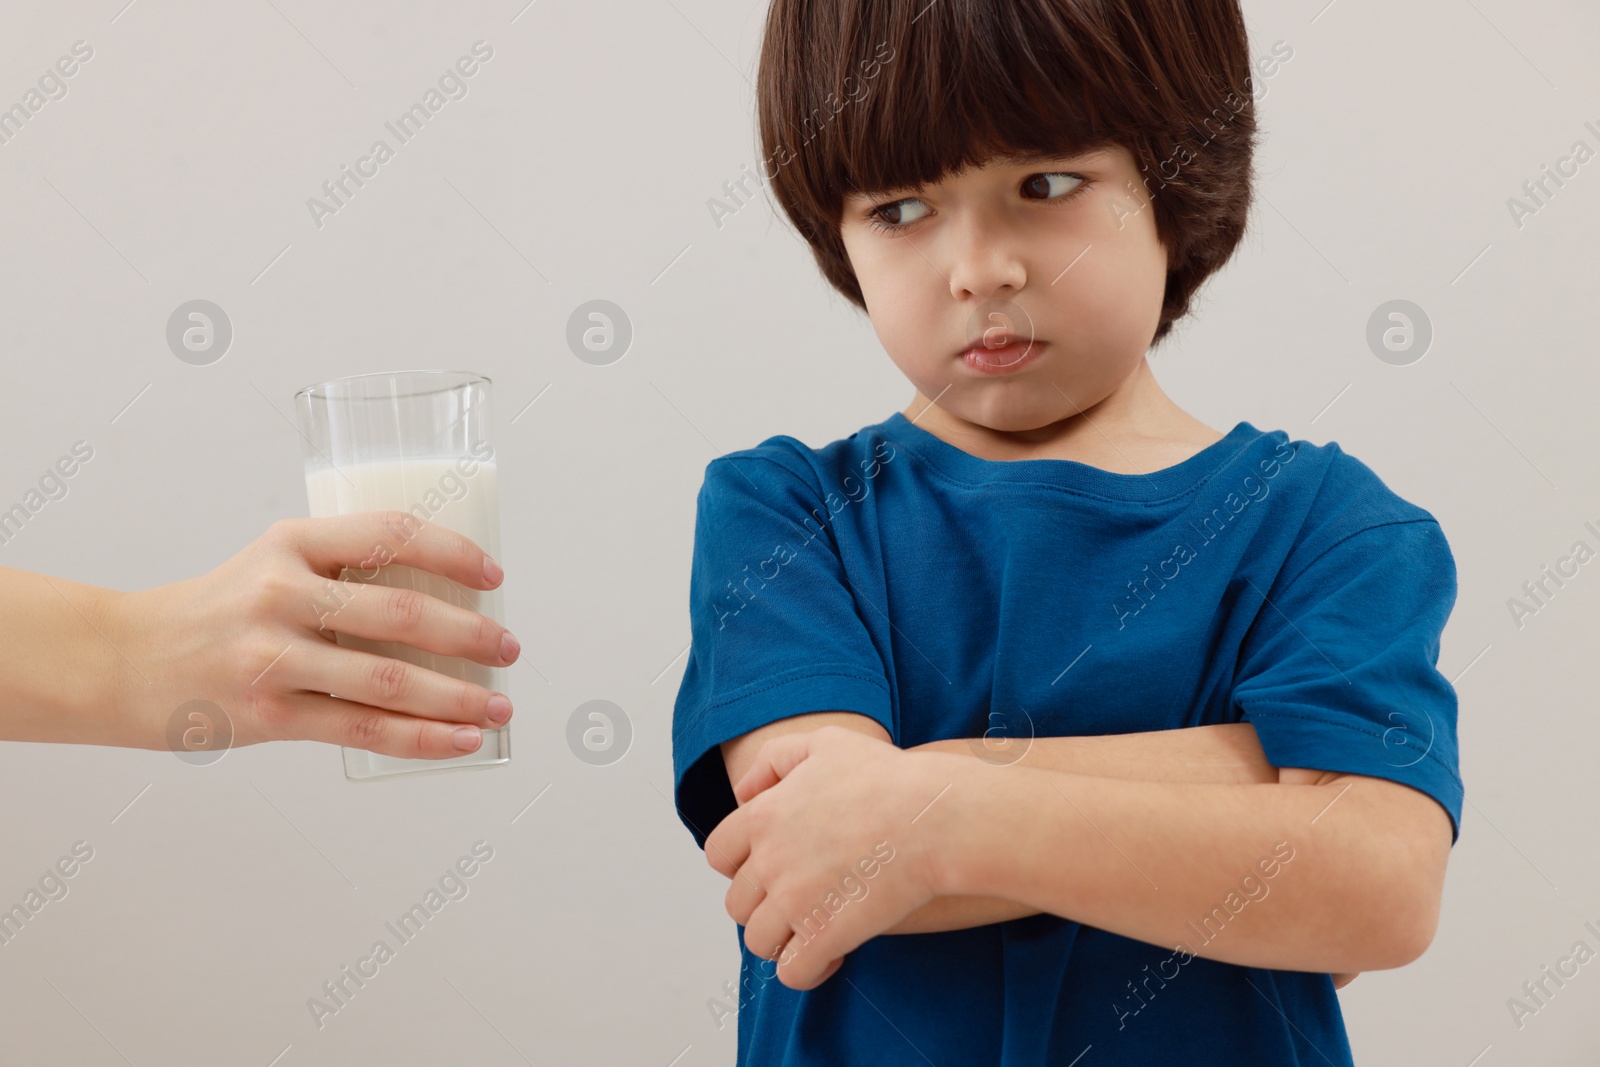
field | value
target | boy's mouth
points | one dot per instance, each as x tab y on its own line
1001	353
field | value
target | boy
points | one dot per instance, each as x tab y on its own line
1040	718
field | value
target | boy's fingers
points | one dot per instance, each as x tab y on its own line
768	933
366	540
728	845
742	898
320	717
776	757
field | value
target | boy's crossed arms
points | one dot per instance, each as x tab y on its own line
1132	833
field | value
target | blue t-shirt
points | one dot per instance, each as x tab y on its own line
944	595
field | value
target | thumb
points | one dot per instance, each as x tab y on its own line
776	757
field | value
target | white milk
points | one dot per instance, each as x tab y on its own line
438	489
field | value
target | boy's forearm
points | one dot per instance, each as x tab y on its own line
58	669
1295	877
960	913
1223	753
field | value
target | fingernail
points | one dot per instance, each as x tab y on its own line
491	571
509	646
467	738
499	708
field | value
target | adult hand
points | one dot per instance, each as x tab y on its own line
824	852
255	636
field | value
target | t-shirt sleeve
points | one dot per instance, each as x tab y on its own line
1339	672
775	629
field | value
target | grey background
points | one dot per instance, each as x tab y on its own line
578	167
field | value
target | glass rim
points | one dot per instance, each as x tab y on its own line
441	380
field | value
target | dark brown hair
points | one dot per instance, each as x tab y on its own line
873	95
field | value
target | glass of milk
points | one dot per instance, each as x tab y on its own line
417	442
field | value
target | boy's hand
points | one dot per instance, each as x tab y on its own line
829	848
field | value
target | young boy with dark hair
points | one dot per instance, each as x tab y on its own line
1040	723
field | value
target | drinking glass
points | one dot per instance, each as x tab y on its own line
417	442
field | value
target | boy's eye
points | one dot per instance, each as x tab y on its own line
1051	185
1055	186
895	213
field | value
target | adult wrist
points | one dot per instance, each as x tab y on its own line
121	700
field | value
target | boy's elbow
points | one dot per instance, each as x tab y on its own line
1417	845
1401	918
1412	936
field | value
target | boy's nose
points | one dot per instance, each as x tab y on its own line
985	260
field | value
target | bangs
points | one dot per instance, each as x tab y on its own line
918	90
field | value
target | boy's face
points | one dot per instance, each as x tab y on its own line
1060	252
